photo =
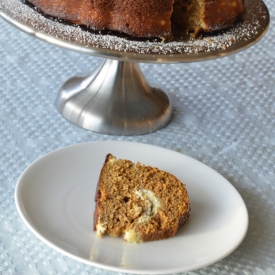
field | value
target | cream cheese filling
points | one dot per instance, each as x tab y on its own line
152	206
100	229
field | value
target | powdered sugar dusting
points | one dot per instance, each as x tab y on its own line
246	30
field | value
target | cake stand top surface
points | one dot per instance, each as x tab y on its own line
242	35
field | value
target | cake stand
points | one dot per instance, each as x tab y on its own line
115	98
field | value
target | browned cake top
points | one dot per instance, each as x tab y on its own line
139	18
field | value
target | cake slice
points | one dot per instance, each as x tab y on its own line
137	202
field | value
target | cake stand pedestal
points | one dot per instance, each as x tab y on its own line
115	98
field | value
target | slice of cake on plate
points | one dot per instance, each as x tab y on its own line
137	202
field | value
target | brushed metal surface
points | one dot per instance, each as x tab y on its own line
114	99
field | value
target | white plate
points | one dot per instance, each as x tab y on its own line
55	198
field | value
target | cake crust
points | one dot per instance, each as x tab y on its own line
137	18
222	14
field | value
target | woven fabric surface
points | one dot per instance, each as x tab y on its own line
223	116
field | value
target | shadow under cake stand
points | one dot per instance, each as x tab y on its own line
115	98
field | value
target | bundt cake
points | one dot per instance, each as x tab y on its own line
150	18
137	202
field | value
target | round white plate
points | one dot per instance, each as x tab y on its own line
55	198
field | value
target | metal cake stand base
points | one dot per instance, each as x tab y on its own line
114	99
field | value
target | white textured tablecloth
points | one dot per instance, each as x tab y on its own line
224	116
